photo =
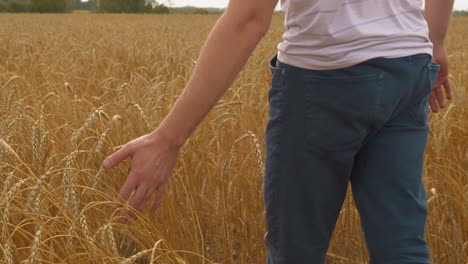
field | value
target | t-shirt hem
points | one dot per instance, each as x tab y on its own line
300	61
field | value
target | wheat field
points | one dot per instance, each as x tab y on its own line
74	87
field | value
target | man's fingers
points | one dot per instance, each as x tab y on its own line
158	198
125	192
448	89
116	158
149	192
433	103
440	97
138	198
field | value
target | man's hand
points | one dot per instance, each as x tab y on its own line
153	159
229	45
437	97
437	14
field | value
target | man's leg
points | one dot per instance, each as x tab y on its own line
387	179
316	125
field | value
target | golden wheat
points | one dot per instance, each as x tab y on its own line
73	88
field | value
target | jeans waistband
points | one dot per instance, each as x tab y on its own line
422	57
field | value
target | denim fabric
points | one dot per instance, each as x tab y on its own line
365	125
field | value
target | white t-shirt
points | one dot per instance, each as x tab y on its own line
333	34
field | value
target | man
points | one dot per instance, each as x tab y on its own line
348	103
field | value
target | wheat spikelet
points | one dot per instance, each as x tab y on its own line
246	159
74	202
217	201
39	140
10	128
49	95
258	152
7	251
221	118
34	256
203	189
226	165
229	190
35	143
181	261
10	81
240	139
156	246
71	242
68	88
446	131
135	257
434	195
226	105
153	90
6	184
19	110
75	107
37	205
68	176
121	93
99	235
229	158
14	190
116	118
6	149
85	227
96	113
105	236
97	178
10	101
142	114
101	141
212	141
111	238
35	190
6	210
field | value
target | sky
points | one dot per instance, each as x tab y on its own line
459	4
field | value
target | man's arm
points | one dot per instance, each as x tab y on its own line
229	45
438	13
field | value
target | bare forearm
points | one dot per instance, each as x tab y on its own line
437	14
225	53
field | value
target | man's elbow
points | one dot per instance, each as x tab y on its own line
254	24
258	26
263	25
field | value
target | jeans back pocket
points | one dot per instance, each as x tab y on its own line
341	110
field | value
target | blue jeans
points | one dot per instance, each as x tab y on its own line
365	125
